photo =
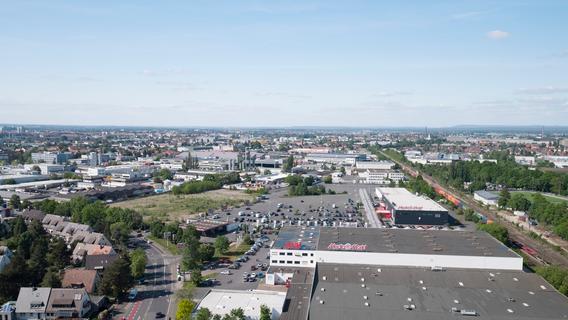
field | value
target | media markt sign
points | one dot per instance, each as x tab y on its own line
347	246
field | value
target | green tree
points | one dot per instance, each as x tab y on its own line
138	263
497	231
19	226
117	278
288	164
203	314
519	202
206	252
58	256
191	259
37	263
327	179
237	314
51	279
184	309
15	202
14	276
265	313
196	277
247	240
221	244
504	197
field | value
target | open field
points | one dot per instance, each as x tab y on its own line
169	207
551	198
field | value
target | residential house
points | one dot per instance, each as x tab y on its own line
31	215
99	262
32	303
80	278
83	249
65	303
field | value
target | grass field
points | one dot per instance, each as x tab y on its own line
172	248
529	195
234	252
169	207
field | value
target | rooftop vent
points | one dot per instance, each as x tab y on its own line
526	304
322	289
378	293
324	278
365	298
366	304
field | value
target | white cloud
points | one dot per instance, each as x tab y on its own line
543	90
498	34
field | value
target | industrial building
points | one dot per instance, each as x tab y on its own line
335	158
369	273
307	246
221	302
374	165
376	292
409	209
486	197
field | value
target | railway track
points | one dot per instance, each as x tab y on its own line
540	253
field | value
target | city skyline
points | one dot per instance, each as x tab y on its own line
284	64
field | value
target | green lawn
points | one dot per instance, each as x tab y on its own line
235	251
529	195
166	245
170	207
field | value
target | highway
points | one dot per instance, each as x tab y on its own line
156	295
545	254
372	217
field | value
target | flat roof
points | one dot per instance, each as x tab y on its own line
299	238
402	199
297	303
487	195
222	301
491	294
384	240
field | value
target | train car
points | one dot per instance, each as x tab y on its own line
448	196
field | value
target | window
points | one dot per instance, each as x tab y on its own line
311	261
281	261
304	254
289	253
281	253
296	262
288	262
311	254
274	261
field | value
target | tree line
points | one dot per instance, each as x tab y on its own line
209	182
506	173
300	186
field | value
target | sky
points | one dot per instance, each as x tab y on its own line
284	63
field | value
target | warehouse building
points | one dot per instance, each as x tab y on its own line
308	246
409	209
376	292
486	197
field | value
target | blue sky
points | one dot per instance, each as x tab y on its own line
284	63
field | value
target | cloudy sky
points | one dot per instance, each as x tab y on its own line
284	63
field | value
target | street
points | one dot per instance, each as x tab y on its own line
156	295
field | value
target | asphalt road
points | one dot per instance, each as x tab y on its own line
157	293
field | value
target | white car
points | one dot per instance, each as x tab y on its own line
227	272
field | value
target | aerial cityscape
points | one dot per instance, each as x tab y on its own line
294	160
